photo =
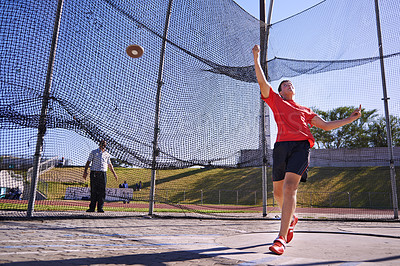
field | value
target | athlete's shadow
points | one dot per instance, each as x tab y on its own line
154	258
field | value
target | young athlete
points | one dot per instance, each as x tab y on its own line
292	147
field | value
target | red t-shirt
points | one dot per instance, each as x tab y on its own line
292	119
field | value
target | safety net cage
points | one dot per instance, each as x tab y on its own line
182	122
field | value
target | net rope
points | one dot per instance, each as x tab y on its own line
210	100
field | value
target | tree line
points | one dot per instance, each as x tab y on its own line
368	131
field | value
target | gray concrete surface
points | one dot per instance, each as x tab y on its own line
144	241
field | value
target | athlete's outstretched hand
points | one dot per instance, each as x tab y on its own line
356	114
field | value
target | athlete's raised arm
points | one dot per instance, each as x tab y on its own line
262	81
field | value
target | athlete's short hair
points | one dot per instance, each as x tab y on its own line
283	81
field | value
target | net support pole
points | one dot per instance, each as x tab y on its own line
264	111
43	113
157	113
388	130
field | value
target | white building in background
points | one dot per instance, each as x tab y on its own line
10	180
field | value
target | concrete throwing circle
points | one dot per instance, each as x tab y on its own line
335	247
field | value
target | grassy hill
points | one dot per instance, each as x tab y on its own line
328	186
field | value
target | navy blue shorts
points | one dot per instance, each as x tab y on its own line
290	156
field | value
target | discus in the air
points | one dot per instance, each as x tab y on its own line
135	50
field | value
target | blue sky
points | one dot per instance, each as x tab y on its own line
281	9
324	91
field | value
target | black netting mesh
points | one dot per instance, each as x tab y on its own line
210	101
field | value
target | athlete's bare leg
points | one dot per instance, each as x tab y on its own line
285	192
278	192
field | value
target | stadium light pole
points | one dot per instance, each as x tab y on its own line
157	114
386	104
43	113
264	111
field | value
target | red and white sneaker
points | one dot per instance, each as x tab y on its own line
279	246
289	236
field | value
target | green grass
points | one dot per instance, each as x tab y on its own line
369	187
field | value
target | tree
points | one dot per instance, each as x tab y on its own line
378	134
353	135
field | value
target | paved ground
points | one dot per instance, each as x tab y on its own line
145	241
